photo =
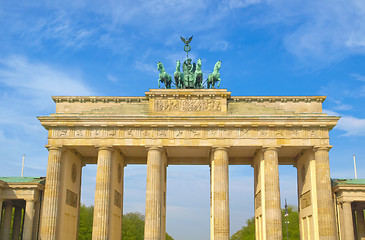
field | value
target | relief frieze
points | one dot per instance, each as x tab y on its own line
187	105
196	133
213	133
96	133
62	133
163	133
245	133
179	133
263	133
146	133
230	133
189	132
79	133
129	133
112	133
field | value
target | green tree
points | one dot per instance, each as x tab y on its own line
133	225
247	232
86	222
293	225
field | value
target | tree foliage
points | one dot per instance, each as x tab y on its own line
247	232
86	222
133	225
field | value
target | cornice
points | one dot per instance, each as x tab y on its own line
326	122
283	99
167	93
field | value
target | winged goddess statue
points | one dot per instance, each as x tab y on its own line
187	47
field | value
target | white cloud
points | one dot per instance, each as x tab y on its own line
352	126
339	105
358	77
329	30
146	67
242	3
112	78
27	87
37	79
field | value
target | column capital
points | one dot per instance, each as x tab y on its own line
223	148
55	147
270	148
322	148
108	147
157	148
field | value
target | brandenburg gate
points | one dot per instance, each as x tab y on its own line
187	126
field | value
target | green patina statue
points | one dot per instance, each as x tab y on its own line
189	76
214	76
164	77
192	75
178	76
198	74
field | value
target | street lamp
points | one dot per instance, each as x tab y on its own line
286	220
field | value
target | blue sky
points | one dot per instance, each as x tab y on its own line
110	48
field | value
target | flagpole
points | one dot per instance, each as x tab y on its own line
23	165
355	167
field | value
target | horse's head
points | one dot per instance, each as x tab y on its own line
199	62
159	66
218	65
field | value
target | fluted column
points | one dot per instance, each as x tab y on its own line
28	220
272	194
153	214
326	210
16	223
51	195
360	223
102	195
1	209
36	218
220	194
7	220
348	225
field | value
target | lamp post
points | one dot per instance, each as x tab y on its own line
286	220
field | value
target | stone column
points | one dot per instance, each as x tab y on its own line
348	225
7	220
360	223
326	209
28	220
154	201
272	194
51	195
36	218
220	194
163	195
1	209
102	195
16	223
